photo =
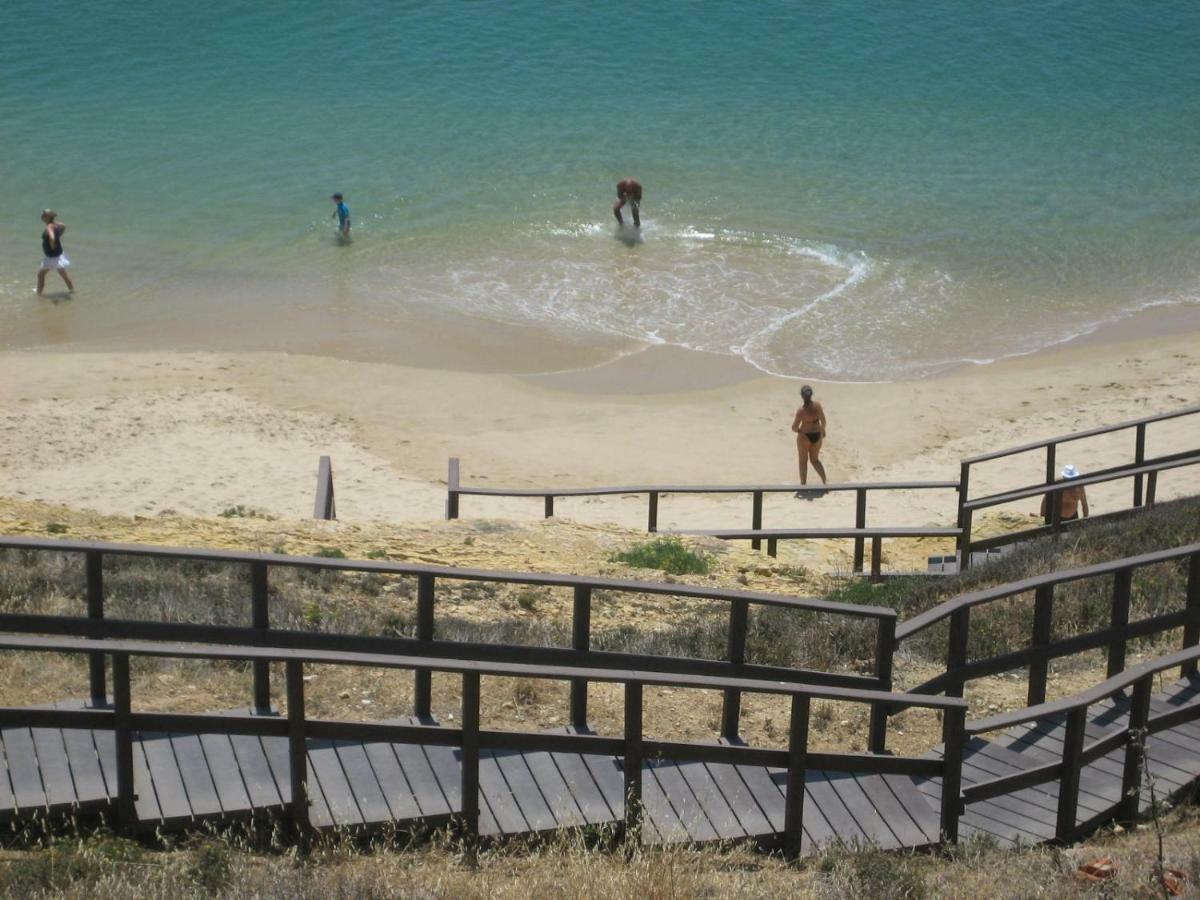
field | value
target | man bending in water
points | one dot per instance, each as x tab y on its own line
628	189
809	425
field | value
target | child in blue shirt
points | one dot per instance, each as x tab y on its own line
343	215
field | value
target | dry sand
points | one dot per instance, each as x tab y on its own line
134	433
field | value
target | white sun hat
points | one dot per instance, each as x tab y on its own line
1070	472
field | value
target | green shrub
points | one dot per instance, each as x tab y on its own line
56	528
330	553
669	554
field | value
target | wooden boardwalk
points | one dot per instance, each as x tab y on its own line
185	780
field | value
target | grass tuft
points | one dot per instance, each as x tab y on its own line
669	554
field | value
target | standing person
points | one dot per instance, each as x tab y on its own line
1069	500
342	211
629	190
809	425
53	256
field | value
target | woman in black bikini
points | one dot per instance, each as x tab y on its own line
809	426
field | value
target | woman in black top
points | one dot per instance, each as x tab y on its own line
52	251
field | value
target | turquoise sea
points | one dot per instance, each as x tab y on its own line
852	190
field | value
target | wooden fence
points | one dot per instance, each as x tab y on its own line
427	577
1043	646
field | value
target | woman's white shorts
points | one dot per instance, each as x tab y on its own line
55	262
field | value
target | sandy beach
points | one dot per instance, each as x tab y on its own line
154	433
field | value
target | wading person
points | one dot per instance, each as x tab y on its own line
53	256
342	211
629	190
809	425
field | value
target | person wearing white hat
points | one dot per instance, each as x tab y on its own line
1070	499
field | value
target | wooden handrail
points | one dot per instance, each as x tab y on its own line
1079	435
918	623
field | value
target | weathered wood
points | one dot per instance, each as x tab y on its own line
452	492
885	650
324	506
860	522
260	618
423	678
876	557
1068	787
1039	668
1051	475
1191	629
794	792
735	653
632	764
581	630
94	574
123	735
953	722
297	749
1118	620
652	512
1139	456
549	503
756	518
469	785
1137	736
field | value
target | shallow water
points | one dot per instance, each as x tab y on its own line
855	190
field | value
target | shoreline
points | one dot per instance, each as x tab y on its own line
153	433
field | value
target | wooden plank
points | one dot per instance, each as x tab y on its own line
426	790
902	824
8	802
555	790
499	796
275	749
749	814
85	767
361	776
688	809
105	743
23	768
193	771
840	820
767	794
261	787
609	778
659	813
226	774
54	766
708	794
325	768
990	761
525	791
923	814
872	825
145	800
397	793
168	783
583	787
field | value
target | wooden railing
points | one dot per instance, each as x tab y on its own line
1135	469
1054	522
1077	752
428	576
245	644
455	490
1043	647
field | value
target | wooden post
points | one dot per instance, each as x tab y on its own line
1135	748
954	723
423	678
956	658
876	558
297	748
652	514
1068	784
885	651
860	521
1054	510
123	739
772	547
94	568
1139	457
1191	628
1051	472
964	542
731	708
633	765
260	620
470	756
793	799
964	481
581	630
324	507
1122	584
1039	669
1151	487
756	520
452	489
549	506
